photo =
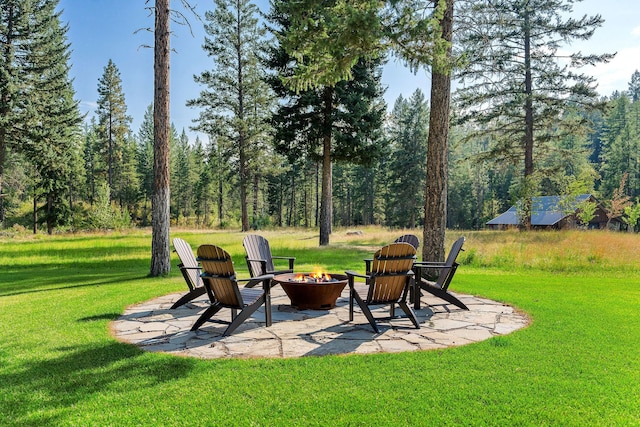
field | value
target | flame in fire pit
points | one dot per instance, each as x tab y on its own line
317	277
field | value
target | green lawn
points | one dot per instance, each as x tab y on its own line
577	364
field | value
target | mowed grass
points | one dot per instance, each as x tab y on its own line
577	364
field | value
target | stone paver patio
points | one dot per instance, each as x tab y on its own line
153	326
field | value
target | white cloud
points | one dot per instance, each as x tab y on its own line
616	74
88	105
636	32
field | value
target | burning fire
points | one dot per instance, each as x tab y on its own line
317	277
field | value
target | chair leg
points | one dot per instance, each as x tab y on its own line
410	314
267	309
208	314
351	292
442	294
242	316
415	295
366	311
189	296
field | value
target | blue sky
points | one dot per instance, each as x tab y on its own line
100	30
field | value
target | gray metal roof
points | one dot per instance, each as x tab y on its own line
546	210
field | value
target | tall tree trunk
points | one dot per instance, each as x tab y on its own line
35	212
3	156
256	182
220	200
160	253
292	200
110	154
435	207
49	215
326	198
243	185
528	118
316	208
7	53
242	135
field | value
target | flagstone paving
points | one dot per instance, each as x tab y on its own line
153	326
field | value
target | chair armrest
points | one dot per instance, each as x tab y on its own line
190	268
265	279
429	264
257	278
290	258
367	264
354	274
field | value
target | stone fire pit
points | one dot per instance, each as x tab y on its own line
312	291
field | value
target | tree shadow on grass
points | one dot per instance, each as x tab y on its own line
42	393
58	282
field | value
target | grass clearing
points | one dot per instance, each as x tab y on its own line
576	364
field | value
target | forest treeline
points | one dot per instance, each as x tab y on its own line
261	162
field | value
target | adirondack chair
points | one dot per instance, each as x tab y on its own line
411	239
222	288
190	270
440	286
259	258
387	283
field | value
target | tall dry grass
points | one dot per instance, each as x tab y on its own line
552	250
571	250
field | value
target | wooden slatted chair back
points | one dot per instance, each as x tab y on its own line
446	273
390	272
411	239
219	275
188	263
257	248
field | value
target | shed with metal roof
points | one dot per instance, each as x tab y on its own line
554	212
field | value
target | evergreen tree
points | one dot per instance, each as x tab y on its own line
161	199
408	132
128	183
113	128
14	35
90	158
621	145
51	115
422	35
145	162
183	177
337	122
33	60
634	86
234	102
517	85
202	186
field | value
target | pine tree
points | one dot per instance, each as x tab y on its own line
90	159
421	33
14	34
145	162
234	102
634	86
517	86
408	133
337	122
113	127
160	253
51	117
202	185
184	178
621	144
